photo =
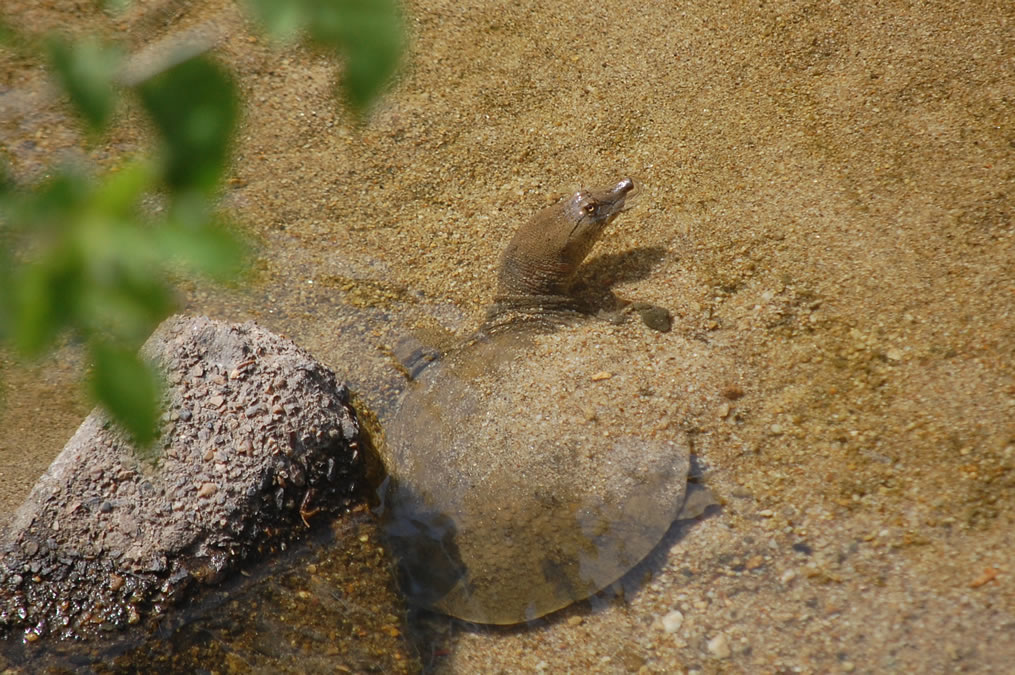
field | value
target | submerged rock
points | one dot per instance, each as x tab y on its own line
257	437
513	491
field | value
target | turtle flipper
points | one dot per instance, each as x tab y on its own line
413	356
428	342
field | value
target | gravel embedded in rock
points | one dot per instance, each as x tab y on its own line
164	523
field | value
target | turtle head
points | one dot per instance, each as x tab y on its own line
545	253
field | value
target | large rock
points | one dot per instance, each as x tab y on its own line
257	438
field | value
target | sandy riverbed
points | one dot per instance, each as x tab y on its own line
830	185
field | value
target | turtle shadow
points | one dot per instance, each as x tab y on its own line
633	264
596	278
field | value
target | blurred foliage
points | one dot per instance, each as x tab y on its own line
85	71
93	256
369	34
194	106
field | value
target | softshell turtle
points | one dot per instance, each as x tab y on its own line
510	494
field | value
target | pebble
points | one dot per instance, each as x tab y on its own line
657	318
207	490
672	621
719	647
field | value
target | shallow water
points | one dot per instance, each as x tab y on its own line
506	501
329	601
831	187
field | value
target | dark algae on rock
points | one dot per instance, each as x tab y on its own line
510	493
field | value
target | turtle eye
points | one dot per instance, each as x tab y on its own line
589	209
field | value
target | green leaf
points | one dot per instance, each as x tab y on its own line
211	250
86	71
128	388
6	180
120	191
50	207
9	37
123	303
6	305
115	7
368	33
281	18
194	106
44	294
39	294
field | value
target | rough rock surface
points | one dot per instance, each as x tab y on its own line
256	438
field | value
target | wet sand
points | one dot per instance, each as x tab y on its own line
831	187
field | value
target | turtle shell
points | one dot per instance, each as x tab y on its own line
516	484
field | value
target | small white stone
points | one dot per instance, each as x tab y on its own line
672	621
719	647
788	576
